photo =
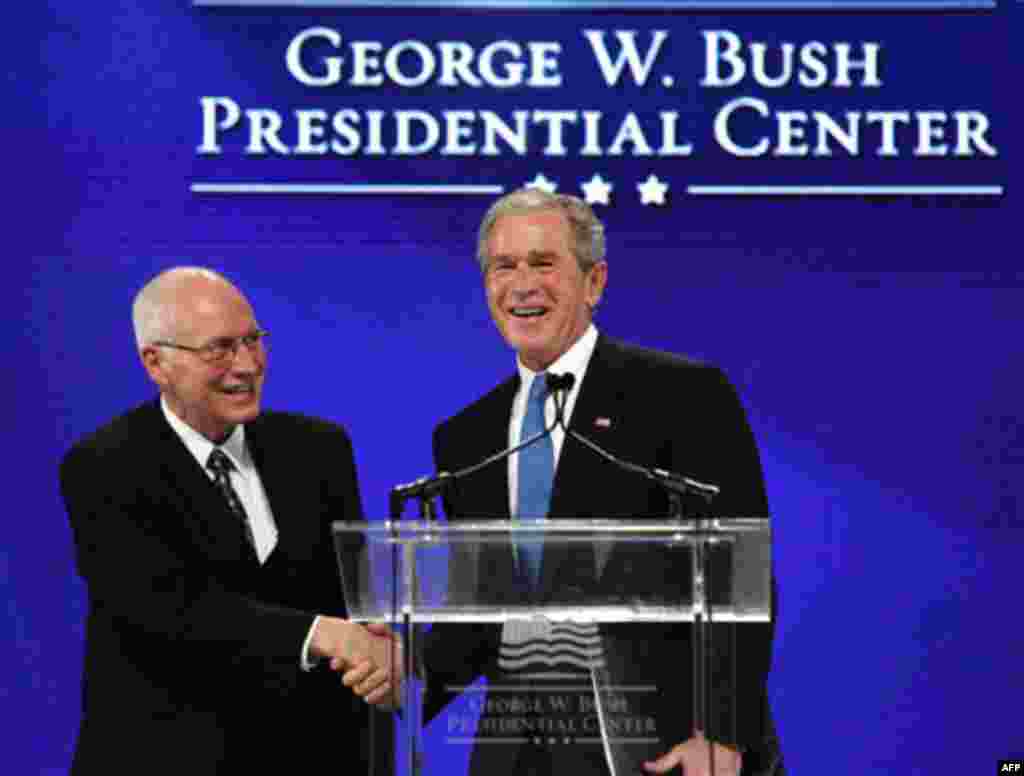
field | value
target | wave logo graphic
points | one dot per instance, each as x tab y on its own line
533	645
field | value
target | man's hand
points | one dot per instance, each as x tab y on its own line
378	682
370	657
339	640
691	757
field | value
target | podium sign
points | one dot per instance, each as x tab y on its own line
621	646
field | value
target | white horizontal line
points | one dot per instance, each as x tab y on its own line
489	740
781	5
630	740
542	687
485	740
844	190
341	188
520	688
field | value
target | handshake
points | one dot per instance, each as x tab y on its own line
369	657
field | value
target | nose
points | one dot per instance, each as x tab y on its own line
523	281
247	360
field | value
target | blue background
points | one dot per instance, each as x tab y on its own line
876	342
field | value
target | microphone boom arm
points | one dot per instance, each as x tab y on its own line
676	485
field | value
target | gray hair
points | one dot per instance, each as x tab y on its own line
153	311
585	228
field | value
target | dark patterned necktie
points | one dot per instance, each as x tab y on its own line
221	467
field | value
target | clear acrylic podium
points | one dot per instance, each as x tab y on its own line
623	645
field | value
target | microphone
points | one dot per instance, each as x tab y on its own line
426	489
561	382
558	388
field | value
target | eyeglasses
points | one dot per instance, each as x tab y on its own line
225	348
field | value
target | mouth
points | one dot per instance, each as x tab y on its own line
238	390
527	312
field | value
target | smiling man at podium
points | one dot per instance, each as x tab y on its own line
544	271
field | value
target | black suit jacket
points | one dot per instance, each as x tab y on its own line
192	647
658	410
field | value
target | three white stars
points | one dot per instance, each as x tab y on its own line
598	191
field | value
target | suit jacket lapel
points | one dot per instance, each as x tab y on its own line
492	482
283	478
211	522
596	416
484	494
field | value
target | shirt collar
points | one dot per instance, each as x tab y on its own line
573	361
201	447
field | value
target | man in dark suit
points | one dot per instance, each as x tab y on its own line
542	259
202	530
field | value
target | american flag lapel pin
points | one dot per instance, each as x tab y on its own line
603	422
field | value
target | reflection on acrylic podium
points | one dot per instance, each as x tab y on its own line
623	645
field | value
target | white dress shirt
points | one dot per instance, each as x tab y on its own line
574	361
244	478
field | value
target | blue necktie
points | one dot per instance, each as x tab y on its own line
536	475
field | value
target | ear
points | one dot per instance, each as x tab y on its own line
596	280
153	362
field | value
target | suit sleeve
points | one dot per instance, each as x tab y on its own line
734	463
734	453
